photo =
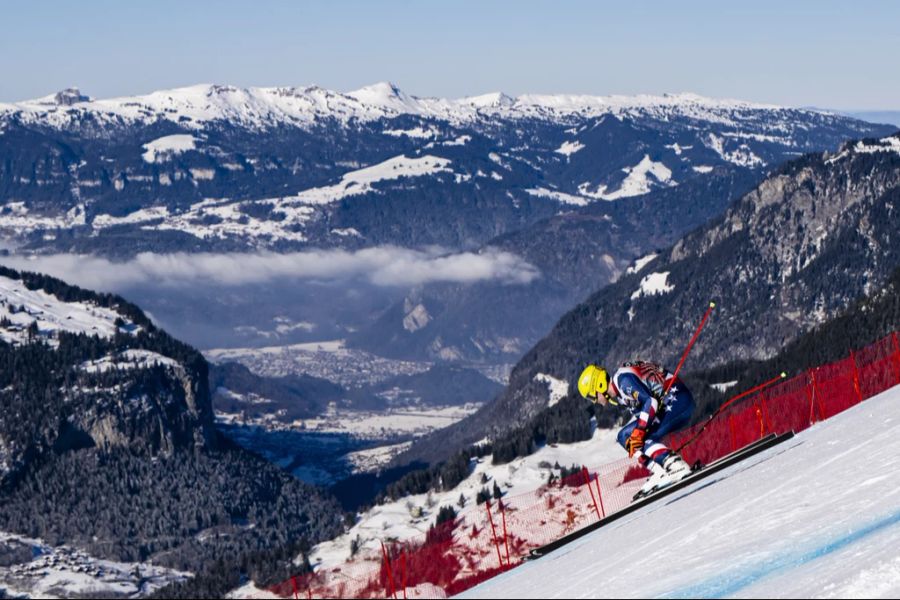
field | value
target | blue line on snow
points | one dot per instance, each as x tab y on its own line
737	579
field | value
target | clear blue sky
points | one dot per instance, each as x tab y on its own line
835	54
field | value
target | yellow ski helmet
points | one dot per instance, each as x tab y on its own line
593	382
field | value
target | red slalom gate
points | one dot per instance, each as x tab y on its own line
487	540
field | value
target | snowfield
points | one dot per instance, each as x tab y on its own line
559	196
818	516
21	307
558	388
569	148
641	178
360	181
161	149
653	284
130	359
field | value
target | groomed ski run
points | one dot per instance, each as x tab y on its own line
818	516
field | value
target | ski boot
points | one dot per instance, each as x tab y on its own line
657	476
676	468
673	470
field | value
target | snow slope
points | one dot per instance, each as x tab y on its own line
20	307
816	517
411	516
162	148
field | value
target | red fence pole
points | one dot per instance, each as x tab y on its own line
294	585
487	504
856	376
764	401
733	433
403	563
505	536
390	572
817	395
587	482
897	354
811	395
600	497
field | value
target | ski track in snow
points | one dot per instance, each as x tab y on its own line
819	517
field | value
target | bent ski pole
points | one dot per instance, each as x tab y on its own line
687	350
728	403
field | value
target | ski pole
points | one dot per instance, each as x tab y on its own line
687	350
729	403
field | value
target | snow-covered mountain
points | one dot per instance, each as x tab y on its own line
579	185
219	167
257	107
108	445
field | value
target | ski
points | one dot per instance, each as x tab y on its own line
698	466
701	472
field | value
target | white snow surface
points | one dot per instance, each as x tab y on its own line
888	144
742	156
817	517
22	307
653	284
129	359
640	263
569	148
724	386
641	178
563	197
143	215
361	180
559	388
415	132
266	107
161	149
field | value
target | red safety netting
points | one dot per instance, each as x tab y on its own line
492	537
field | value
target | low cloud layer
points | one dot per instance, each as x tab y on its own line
382	266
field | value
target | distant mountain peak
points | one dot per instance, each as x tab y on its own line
491	100
66	97
386	94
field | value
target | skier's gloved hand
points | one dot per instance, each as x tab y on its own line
635	442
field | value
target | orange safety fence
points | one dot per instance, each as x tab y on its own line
492	537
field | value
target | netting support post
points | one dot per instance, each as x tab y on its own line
859	396
487	505
403	567
505	535
390	571
587	482
897	354
600	498
733	433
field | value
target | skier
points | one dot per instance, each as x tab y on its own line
639	386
